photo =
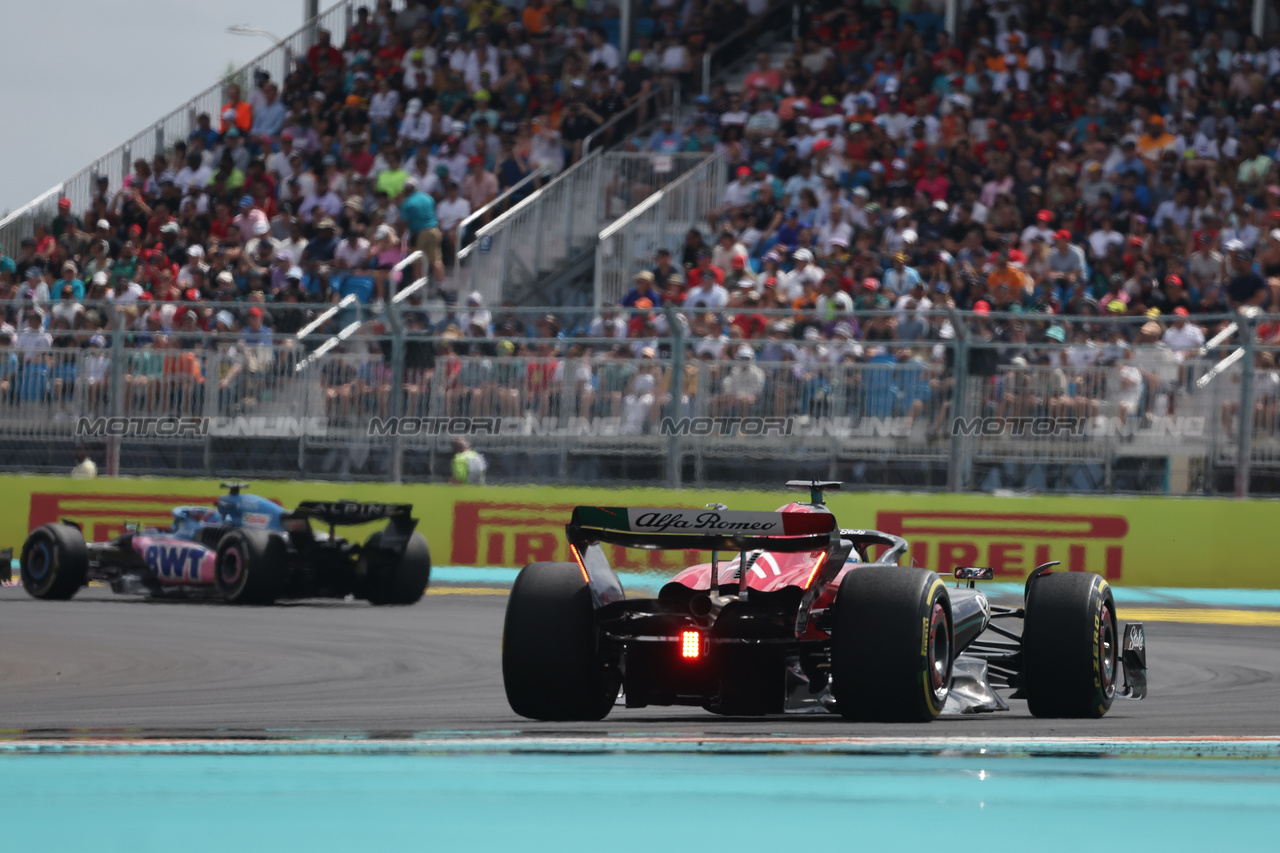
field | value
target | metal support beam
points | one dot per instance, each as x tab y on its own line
952	19
1259	17
675	455
626	13
958	462
1244	449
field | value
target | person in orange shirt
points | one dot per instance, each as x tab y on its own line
183	378
1154	139
235	112
1006	273
536	17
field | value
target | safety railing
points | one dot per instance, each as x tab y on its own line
159	137
516	192
969	403
659	221
560	222
538	235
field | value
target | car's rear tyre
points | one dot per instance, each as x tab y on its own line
396	580
550	667
251	566
55	562
891	645
1070	646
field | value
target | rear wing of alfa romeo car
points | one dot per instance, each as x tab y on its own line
712	529
702	529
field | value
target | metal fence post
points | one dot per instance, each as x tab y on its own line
396	327
1244	450
957	464
159	138
675	455
118	390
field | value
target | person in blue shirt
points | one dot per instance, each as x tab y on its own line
666	140
900	278
643	289
68	279
418	210
1130	162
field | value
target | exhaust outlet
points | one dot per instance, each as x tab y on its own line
700	605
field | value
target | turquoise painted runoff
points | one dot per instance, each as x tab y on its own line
618	801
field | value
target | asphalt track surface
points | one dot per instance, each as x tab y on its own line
119	666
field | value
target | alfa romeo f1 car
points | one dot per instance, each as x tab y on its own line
805	617
245	550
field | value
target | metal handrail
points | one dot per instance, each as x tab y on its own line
476	214
541	171
493	224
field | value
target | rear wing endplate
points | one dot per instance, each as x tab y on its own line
702	529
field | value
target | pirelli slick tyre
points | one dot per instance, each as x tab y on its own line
251	566
1070	646
397	580
54	562
891	645
550	667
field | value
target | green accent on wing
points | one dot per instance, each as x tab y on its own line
602	517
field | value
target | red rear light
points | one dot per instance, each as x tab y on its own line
690	645
817	567
577	558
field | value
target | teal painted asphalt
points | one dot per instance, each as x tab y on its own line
649	583
626	801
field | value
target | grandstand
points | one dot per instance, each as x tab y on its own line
877	222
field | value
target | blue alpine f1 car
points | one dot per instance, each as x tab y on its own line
245	550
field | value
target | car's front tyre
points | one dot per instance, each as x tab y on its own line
1070	646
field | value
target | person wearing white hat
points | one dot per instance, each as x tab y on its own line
804	274
476	313
416	124
743	386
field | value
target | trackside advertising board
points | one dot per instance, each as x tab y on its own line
1147	541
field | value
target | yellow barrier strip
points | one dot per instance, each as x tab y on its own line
1201	616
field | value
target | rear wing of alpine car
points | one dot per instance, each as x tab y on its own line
350	512
336	513
702	529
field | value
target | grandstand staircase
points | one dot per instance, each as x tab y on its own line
543	251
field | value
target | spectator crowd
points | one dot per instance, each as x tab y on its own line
1054	165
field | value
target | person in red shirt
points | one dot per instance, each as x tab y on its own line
747	318
704	268
762	78
934	184
323	51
